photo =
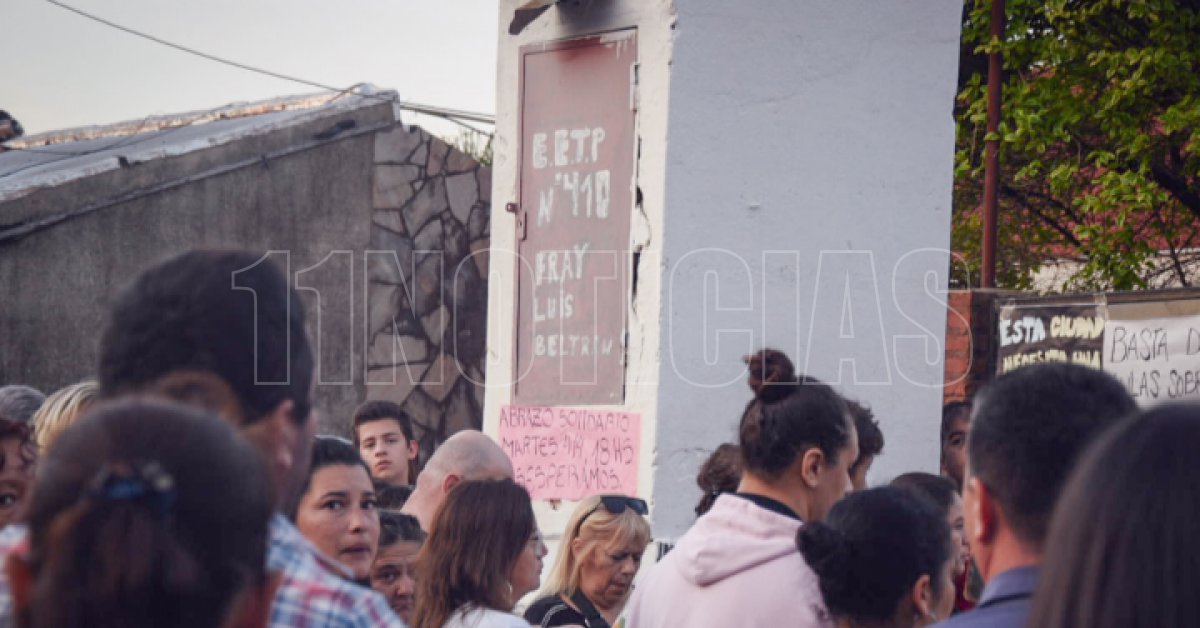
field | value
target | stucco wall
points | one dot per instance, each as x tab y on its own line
793	128
808	194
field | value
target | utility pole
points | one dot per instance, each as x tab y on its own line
991	163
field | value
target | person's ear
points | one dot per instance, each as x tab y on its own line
922	596
576	549
275	435
811	465
283	442
984	510
449	482
253	607
20	583
414	448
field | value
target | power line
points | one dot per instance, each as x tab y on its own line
452	115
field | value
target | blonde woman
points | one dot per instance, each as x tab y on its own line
61	410
597	560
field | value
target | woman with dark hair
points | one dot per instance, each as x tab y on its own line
336	510
738	565
484	554
884	560
721	473
145	515
940	491
1122	548
393	572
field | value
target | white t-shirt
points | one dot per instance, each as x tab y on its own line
475	617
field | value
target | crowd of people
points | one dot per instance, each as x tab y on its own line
185	486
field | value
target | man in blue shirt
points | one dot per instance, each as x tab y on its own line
1027	430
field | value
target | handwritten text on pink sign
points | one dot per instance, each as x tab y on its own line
570	453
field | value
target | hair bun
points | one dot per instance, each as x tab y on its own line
771	372
826	551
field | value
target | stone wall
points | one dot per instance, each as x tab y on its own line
427	269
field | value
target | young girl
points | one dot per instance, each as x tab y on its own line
145	515
941	493
884	560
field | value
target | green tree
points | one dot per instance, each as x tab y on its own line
475	145
1100	153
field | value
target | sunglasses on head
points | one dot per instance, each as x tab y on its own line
616	504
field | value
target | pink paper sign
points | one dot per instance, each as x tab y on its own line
571	453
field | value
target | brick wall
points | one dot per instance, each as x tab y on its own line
969	340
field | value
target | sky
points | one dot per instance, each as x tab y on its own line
63	70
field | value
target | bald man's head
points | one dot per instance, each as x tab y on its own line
466	456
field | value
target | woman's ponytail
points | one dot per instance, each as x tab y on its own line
145	514
115	553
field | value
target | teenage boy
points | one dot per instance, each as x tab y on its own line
383	433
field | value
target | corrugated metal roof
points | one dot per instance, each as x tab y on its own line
55	158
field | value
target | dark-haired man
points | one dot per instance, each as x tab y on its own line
1027	431
383	434
870	443
232	316
956	418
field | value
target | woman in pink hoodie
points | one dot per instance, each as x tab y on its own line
738	565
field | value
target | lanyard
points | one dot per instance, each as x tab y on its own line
591	617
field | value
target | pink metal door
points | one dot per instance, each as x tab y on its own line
578	107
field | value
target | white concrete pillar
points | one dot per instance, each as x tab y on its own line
794	167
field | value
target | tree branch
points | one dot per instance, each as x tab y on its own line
1172	252
1175	185
1053	224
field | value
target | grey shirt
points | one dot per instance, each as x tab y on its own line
1005	602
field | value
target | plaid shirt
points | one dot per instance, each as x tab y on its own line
14	538
312	594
